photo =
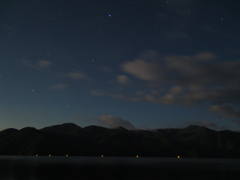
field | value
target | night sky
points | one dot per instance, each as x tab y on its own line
137	64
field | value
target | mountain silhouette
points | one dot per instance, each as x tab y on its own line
71	139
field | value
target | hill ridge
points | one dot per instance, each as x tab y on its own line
69	138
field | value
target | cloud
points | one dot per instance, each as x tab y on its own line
236	121
41	64
59	86
200	79
98	92
122	79
77	75
118	95
77	118
225	111
208	124
143	70
144	67
193	69
113	122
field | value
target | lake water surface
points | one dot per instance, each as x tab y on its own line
69	168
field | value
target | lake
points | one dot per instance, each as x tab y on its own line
71	168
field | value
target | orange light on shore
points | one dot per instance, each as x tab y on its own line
36	154
102	156
66	155
137	156
178	157
49	155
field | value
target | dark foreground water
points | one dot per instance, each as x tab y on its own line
81	168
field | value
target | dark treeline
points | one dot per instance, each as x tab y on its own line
68	138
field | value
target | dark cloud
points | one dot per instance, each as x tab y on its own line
236	121
105	69
177	17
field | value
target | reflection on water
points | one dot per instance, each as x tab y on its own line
50	167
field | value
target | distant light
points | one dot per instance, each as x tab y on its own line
109	15
101	155
36	154
66	155
178	157
137	156
49	155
